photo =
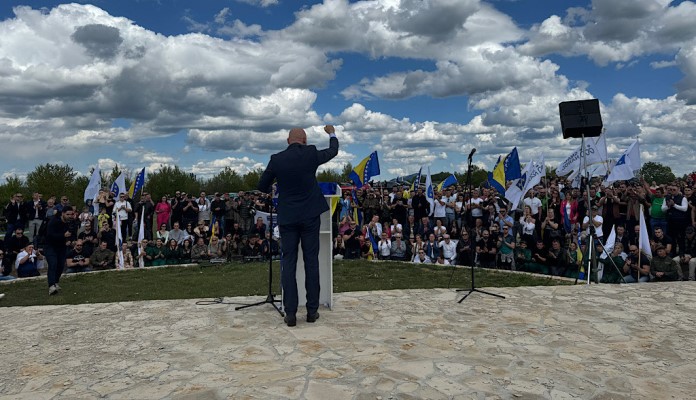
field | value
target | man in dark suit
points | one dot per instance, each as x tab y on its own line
300	203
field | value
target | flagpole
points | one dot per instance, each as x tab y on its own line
639	249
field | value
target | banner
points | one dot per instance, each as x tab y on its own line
595	152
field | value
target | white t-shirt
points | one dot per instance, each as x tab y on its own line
123	213
440	209
476	212
598	229
534	203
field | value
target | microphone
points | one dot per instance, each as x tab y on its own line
471	155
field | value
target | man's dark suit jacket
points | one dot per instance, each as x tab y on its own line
295	169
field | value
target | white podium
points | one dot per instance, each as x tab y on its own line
325	261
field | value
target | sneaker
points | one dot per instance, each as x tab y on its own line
2	295
58	288
52	290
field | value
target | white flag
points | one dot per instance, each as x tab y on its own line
595	151
119	242
92	190
609	244
429	193
120	185
515	192
531	176
141	236
644	239
627	165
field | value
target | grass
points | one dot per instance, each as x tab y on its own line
236	279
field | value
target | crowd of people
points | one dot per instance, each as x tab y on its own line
548	233
189	229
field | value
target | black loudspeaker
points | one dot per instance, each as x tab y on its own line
580	118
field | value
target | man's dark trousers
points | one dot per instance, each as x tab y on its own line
306	232
55	258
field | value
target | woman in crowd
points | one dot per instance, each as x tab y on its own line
417	246
554	204
216	249
185	252
528	225
203	210
550	228
172	255
163	210
189	230
163	233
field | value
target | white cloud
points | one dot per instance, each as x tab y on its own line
261	3
209	168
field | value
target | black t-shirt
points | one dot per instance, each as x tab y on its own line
665	240
76	255
537	252
87	241
352	243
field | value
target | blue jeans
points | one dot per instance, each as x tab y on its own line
55	258
305	233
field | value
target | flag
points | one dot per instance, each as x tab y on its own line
416	182
137	184
511	166
372	239
429	193
531	176
497	178
449	181
92	190
357	214
595	152
119	186
141	236
609	244
515	192
627	165
119	243
644	239
365	170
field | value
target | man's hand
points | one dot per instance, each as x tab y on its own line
329	129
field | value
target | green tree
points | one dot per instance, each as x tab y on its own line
251	179
345	173
55	180
655	171
329	176
227	180
12	186
168	180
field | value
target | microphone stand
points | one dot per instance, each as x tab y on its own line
270	297
473	275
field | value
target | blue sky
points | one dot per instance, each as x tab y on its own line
216	83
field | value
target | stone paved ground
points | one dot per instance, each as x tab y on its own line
603	342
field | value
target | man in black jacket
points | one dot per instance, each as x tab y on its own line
15	214
58	239
300	204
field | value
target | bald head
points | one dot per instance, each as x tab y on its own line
297	135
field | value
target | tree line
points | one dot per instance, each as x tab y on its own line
62	180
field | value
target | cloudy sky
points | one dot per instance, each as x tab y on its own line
216	83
